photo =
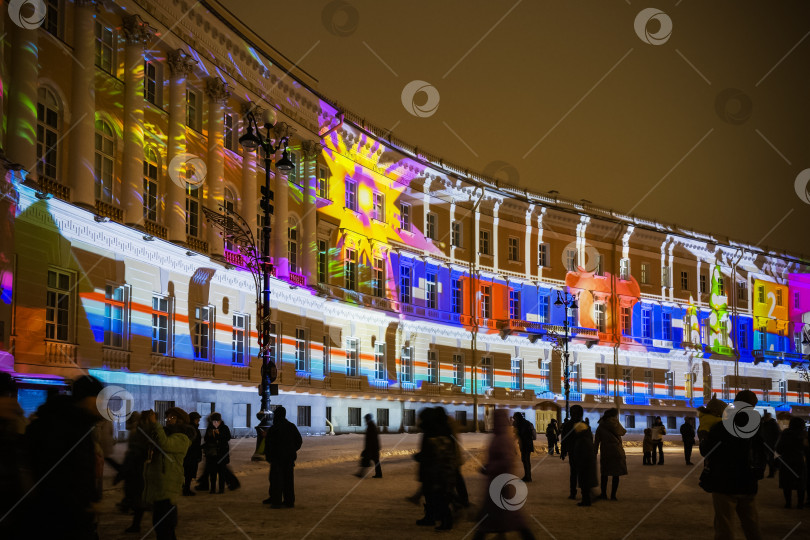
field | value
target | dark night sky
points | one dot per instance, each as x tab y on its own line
567	96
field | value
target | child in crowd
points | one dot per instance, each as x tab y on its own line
647	447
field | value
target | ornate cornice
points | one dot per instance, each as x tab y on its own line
136	30
217	89
311	149
180	62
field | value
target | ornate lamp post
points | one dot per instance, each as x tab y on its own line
570	302
257	258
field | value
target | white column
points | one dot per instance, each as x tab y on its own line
281	198
22	98
81	164
137	34
181	65
218	93
528	241
309	225
250	190
495	234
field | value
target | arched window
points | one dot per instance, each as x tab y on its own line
292	245
229	208
105	158
150	185
48	127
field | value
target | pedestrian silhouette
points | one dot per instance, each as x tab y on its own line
553	436
792	467
612	459
191	463
282	442
371	450
688	437
524	432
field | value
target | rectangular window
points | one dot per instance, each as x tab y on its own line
151	83
666	326
161	406
327	355
721	283
457	295
514	249
601	379
486	302
517	374
487	372
407	364
763	339
724	389
461	418
272	345
666	276
354	416
350	269
239	339
703	286
627	322
351	357
576	378
629	421
329	413
150	190
192	212
669	380
672	422
514	305
161	337
742	338
778	297
483	242
229	141
627	381
545	374
409	417
203	317
456	234
351	195
379	361
761	294
573	316
800	397
323	183
58	318
292	175
458	370
543	308
646	323
378	211
742	290
684	281
542	255
599	317
241	415
431	224
431	291
624	269
193	109
115	310
53	23
405	284
105	46
432	367
301	350
323	261
783	391
796	301
649	382
600	266
304	416
797	342
645	273
382	418
571	260
378	277
405	217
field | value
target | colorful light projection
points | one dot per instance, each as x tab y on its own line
770	306
691	332
593	288
719	324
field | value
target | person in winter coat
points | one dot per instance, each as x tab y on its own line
658	432
734	467
66	463
217	453
709	415
583	458
164	468
281	445
552	436
494	517
688	436
462	497
15	473
647	447
371	450
525	436
612	460
770	434
191	463
791	448
138	447
437	468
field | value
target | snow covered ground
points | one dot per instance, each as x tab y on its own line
657	502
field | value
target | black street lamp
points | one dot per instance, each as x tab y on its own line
570	302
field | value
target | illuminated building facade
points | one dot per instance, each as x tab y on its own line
400	280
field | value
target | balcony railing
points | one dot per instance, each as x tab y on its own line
155	229
379	385
533	327
203	370
54	188
778	357
108	210
298	279
163	365
115	359
58	353
234	257
353	383
196	244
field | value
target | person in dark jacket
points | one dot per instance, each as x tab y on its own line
217	453
15	473
524	432
792	468
582	459
66	464
281	445
612	460
132	471
735	465
552	436
658	432
770	434
437	468
191	463
371	450
688	436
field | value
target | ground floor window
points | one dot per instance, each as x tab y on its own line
160	410
382	418
304	416
409	417
241	415
354	416
629	421
461	418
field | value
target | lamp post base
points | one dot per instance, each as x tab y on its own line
265	422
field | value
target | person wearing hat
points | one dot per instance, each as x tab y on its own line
371	450
735	462
164	467
281	445
525	436
218	454
194	455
